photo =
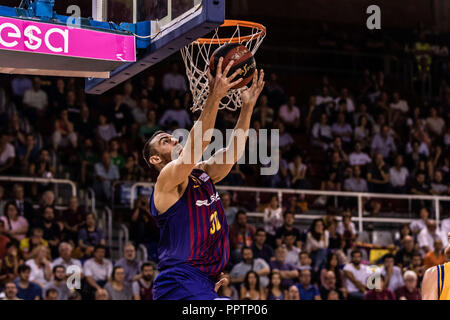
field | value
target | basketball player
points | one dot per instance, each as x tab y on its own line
193	247
436	281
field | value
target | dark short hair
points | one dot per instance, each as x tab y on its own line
99	246
36	229
23	268
245	248
149	150
57	267
148	264
388	256
290	233
241	212
260	230
355	251
50	290
288	212
303	253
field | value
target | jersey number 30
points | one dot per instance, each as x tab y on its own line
215	225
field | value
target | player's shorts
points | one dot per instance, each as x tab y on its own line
183	282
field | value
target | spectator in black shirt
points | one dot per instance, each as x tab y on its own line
143	229
260	248
378	175
419	186
72	106
24	207
336	166
120	115
288	225
52	230
403	257
85	126
58	96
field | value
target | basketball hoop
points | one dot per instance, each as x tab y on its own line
196	59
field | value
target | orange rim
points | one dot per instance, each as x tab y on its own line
234	23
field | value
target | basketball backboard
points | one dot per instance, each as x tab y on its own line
161	27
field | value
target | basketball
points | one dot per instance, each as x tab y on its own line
243	59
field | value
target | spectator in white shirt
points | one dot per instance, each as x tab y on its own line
173	80
427	236
350	106
273	216
445	225
322	135
383	143
417	149
437	186
65	258
434	123
290	113
342	129
397	109
324	97
105	130
175	115
398	104
392	274
317	240
398	175
346	225
41	271
292	251
417	225
359	158
35	100
98	270
356	275
356	183
7	154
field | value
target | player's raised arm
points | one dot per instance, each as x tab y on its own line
177	171
220	164
429	284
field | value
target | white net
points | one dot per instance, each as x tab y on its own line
196	57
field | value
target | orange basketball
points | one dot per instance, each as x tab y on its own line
243	58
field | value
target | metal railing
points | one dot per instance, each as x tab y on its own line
89	198
107	218
56	182
142	253
358	195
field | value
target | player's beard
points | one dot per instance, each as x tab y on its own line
147	278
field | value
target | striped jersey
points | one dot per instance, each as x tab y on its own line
443	281
194	230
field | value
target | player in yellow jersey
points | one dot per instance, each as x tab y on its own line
436	281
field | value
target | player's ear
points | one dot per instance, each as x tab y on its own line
155	159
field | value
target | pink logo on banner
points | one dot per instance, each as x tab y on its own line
38	37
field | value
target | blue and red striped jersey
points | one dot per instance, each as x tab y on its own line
194	230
